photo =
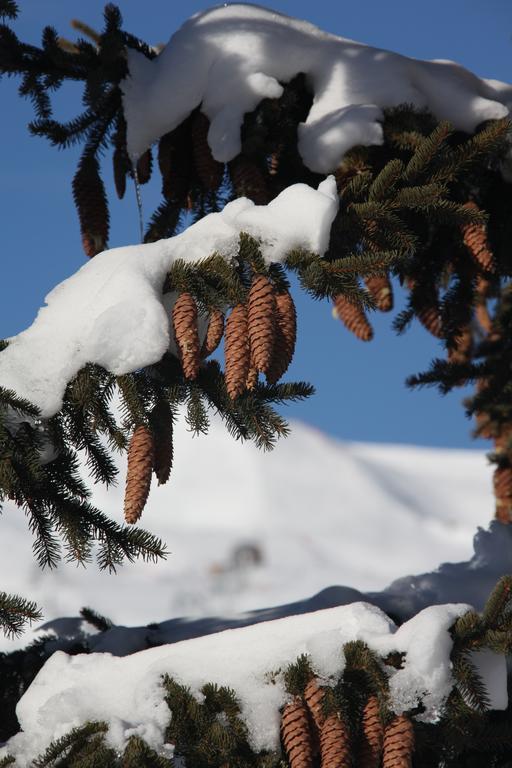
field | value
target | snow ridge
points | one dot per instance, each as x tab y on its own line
127	691
247	51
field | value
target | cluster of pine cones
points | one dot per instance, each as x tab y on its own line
308	733
259	336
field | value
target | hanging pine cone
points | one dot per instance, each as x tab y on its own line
248	180
138	477
284	337
214	332
372	736
175	163
162	423
209	170
296	735
121	167
379	288
91	203
314	696
261	321
353	317
398	743
503	492
184	320
475	240
430	318
274	160
335	743
236	351
144	166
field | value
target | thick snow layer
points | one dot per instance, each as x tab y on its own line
126	692
229	58
237	551
111	311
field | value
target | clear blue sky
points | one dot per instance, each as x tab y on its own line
360	390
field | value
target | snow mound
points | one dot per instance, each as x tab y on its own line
111	311
247	52
233	547
127	692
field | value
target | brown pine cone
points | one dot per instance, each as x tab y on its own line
214	333
184	320
236	351
379	287
209	170
503	491
144	166
162	423
475	240
138	477
335	743
430	318
372	737
91	203
175	163
248	180
284	338
261	321
296	735
352	317
314	696
120	167
398	743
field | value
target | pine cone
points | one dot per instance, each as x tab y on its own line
503	492
214	333
138	477
120	167
91	203
284	338
296	735
398	743
379	287
144	166
175	163
209	170
372	737
184	320
162	423
314	696
248	180
430	318
475	240
261	321
236	351
352	317
335	743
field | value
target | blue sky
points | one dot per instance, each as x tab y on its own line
360	387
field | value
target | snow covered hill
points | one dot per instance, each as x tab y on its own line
247	530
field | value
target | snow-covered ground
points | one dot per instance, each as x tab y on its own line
247	530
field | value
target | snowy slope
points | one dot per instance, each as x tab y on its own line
317	512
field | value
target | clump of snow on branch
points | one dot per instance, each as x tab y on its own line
111	311
228	59
128	694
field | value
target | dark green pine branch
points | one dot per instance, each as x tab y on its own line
15	613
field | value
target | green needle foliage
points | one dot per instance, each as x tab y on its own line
15	612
